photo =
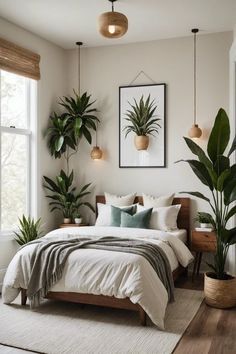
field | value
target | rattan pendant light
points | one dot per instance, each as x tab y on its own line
195	131
112	24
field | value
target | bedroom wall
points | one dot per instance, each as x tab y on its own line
53	67
170	61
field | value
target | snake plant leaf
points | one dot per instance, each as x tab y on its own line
219	137
201	172
198	195
233	147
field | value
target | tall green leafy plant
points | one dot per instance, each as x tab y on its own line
215	171
141	118
63	194
66	130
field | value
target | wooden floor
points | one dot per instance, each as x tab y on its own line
212	331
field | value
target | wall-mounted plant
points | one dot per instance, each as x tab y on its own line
64	196
142	121
66	130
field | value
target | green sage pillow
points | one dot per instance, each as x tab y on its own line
116	214
139	220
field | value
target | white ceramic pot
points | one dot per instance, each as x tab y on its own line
78	220
67	220
205	225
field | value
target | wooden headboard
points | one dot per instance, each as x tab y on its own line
183	220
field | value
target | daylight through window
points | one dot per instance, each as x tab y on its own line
16	101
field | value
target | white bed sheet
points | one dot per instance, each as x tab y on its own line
181	234
102	272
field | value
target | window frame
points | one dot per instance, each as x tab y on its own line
30	132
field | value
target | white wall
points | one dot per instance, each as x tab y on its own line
53	68
170	61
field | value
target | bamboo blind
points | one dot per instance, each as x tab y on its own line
18	60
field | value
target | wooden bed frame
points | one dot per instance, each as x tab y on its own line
183	222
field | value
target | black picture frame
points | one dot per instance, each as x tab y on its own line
129	156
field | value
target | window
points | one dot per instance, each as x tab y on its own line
17	121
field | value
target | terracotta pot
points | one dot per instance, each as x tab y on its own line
67	220
141	142
219	293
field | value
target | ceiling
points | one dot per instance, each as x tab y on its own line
64	22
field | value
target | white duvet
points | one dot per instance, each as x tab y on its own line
108	273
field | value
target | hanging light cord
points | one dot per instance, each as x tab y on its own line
194	31
79	44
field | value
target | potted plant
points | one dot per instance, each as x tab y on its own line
215	171
63	195
29	230
77	218
142	121
66	130
203	219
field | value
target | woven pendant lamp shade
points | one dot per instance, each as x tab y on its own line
195	131
112	24
96	153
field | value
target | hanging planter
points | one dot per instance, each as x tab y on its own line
141	142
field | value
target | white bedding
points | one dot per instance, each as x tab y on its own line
108	273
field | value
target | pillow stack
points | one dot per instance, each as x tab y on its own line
156	212
164	214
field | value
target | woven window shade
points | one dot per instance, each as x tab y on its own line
19	60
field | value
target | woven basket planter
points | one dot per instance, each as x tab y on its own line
141	142
219	293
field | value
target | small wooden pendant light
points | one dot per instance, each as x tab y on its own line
112	24
195	131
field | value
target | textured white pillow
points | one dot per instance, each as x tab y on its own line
164	218
119	201
150	201
104	214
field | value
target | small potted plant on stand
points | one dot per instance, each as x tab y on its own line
142	121
217	173
77	218
204	220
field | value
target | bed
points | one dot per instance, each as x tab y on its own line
128	298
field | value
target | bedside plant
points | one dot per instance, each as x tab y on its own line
142	121
64	197
29	230
217	173
204	219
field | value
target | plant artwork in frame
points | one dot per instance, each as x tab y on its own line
142	126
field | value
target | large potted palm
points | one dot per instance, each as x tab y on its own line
142	121
216	171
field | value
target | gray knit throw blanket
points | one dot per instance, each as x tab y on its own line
49	258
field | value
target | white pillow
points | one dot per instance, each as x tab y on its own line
150	201
164	218
104	214
119	201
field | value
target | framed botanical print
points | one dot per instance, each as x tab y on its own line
142	126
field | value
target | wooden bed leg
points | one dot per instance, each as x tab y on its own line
142	315
23	297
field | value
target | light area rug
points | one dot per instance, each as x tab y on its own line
59	327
